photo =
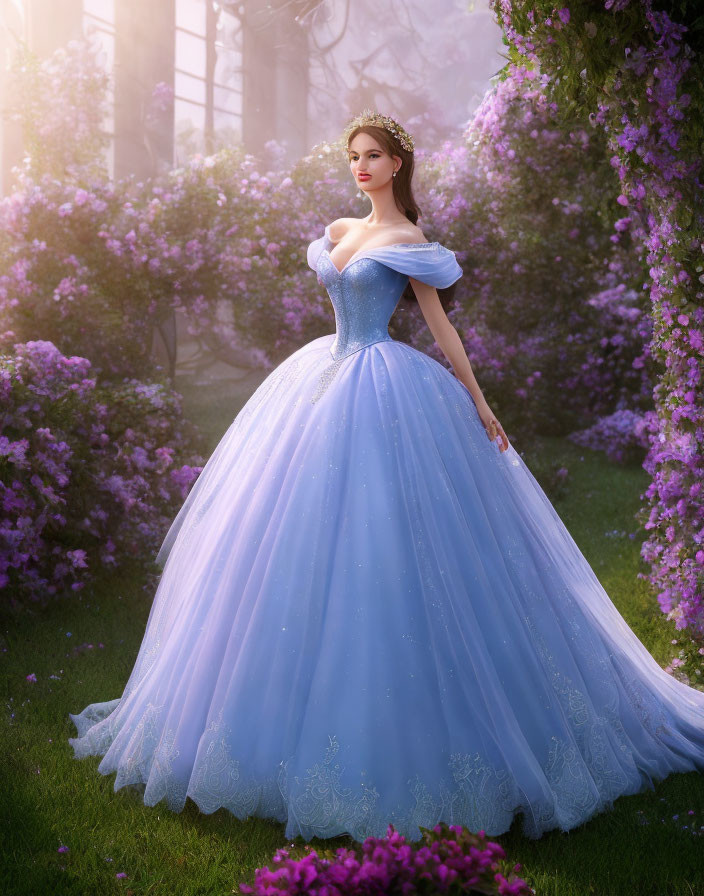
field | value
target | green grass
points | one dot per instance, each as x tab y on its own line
50	799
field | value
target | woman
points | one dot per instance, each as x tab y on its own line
369	612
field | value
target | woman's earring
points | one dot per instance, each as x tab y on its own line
394	174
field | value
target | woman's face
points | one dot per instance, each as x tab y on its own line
371	166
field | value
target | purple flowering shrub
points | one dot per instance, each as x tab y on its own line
63	279
675	498
95	269
88	474
617	371
449	859
95	266
256	225
60	103
622	436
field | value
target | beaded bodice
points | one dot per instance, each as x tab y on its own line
364	294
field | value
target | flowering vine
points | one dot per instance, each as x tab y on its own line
629	68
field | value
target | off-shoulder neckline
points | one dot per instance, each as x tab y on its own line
358	254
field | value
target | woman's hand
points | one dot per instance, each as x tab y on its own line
491	424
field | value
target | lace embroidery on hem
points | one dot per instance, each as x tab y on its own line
483	796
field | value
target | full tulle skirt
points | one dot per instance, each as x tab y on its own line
368	614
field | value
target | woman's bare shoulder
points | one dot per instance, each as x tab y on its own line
414	233
339	227
405	232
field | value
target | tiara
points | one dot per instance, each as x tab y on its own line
368	116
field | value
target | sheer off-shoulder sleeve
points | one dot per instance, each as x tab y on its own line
431	263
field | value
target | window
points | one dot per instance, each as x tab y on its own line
207	78
99	18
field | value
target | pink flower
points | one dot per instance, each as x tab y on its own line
31	677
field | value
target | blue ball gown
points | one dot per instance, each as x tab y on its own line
369	614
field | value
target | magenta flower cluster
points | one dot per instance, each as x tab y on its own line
88	475
449	860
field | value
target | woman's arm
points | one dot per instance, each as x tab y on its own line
450	343
446	336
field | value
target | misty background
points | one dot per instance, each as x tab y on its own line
191	76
